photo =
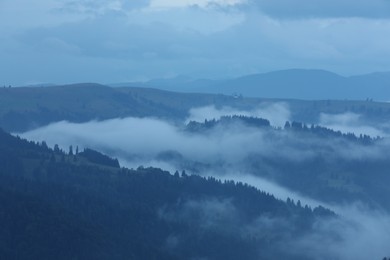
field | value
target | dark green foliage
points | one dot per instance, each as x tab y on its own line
338	168
224	121
261	123
327	133
53	207
96	157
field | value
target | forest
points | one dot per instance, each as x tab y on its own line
133	173
58	205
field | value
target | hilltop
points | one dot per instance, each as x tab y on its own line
26	108
308	84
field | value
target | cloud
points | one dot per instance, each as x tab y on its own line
100	7
349	123
357	233
32	15
190	3
146	138
282	9
260	156
374	9
360	233
116	41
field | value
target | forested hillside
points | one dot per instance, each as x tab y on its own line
58	205
321	163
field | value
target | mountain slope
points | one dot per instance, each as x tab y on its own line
23	109
318	162
63	206
27	108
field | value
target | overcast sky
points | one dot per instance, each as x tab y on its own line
107	41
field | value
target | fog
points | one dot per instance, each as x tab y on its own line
359	232
350	123
134	137
145	138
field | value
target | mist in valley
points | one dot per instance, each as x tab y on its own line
254	156
194	129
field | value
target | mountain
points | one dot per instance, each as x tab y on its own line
57	205
286	84
180	83
318	162
26	108
295	84
83	205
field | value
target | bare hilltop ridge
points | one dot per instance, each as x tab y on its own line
26	108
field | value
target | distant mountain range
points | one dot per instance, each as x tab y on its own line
294	83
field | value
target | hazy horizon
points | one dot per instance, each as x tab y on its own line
67	41
189	77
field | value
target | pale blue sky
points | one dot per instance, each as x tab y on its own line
107	41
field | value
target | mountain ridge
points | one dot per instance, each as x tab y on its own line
26	108
305	84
